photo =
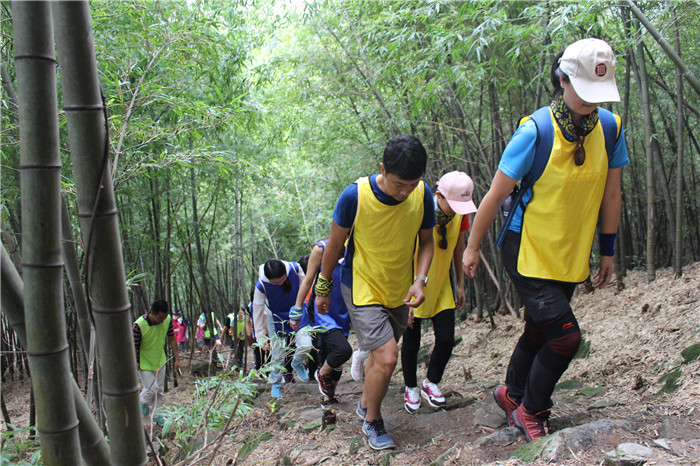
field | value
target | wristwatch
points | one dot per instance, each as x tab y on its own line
421	277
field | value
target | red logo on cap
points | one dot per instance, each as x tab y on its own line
600	70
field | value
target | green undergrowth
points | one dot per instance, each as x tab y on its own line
217	402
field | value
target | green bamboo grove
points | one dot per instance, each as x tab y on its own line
167	149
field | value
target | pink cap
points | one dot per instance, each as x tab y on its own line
457	188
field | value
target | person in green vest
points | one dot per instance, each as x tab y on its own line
204	339
236	328
150	333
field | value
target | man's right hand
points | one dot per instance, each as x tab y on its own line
470	261
323	304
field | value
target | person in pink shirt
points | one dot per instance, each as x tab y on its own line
180	329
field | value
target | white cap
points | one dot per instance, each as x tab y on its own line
457	188
590	65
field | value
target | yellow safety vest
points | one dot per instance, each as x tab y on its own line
152	349
385	239
438	292
560	219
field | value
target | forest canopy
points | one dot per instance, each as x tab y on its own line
263	111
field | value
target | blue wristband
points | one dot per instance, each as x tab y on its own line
607	243
295	313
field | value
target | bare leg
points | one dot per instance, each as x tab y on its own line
380	366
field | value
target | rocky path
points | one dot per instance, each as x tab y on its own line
590	427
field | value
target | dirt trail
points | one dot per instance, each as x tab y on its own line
635	337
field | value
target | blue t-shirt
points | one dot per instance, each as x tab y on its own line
346	208
519	155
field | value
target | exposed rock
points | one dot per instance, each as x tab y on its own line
592	392
457	403
605	403
488	414
500	437
571	384
559	445
663	443
309	415
673	427
628	454
311	426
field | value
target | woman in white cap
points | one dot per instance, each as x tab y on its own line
453	201
547	247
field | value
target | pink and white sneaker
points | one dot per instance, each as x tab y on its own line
431	392
411	399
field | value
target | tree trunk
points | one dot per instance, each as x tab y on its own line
93	445
40	167
649	149
675	58
89	143
76	285
678	240
204	293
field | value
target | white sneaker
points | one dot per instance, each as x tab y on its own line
431	392
358	361
411	399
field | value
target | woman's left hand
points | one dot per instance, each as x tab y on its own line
604	275
461	299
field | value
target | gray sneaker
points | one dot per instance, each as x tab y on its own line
377	436
362	412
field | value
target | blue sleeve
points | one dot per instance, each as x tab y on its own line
620	158
346	207
429	220
519	154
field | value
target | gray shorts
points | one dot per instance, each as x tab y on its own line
374	324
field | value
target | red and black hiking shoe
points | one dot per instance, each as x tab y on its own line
532	425
505	402
325	384
329	401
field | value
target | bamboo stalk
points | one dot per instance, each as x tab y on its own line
106	281
40	171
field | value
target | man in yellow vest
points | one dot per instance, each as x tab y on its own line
381	216
150	332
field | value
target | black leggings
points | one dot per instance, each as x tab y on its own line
551	337
335	349
444	325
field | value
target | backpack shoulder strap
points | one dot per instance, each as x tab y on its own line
610	132
543	145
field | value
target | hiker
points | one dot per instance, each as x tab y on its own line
546	251
204	339
236	329
331	328
381	216
303	318
276	290
452	201
181	331
151	331
261	356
